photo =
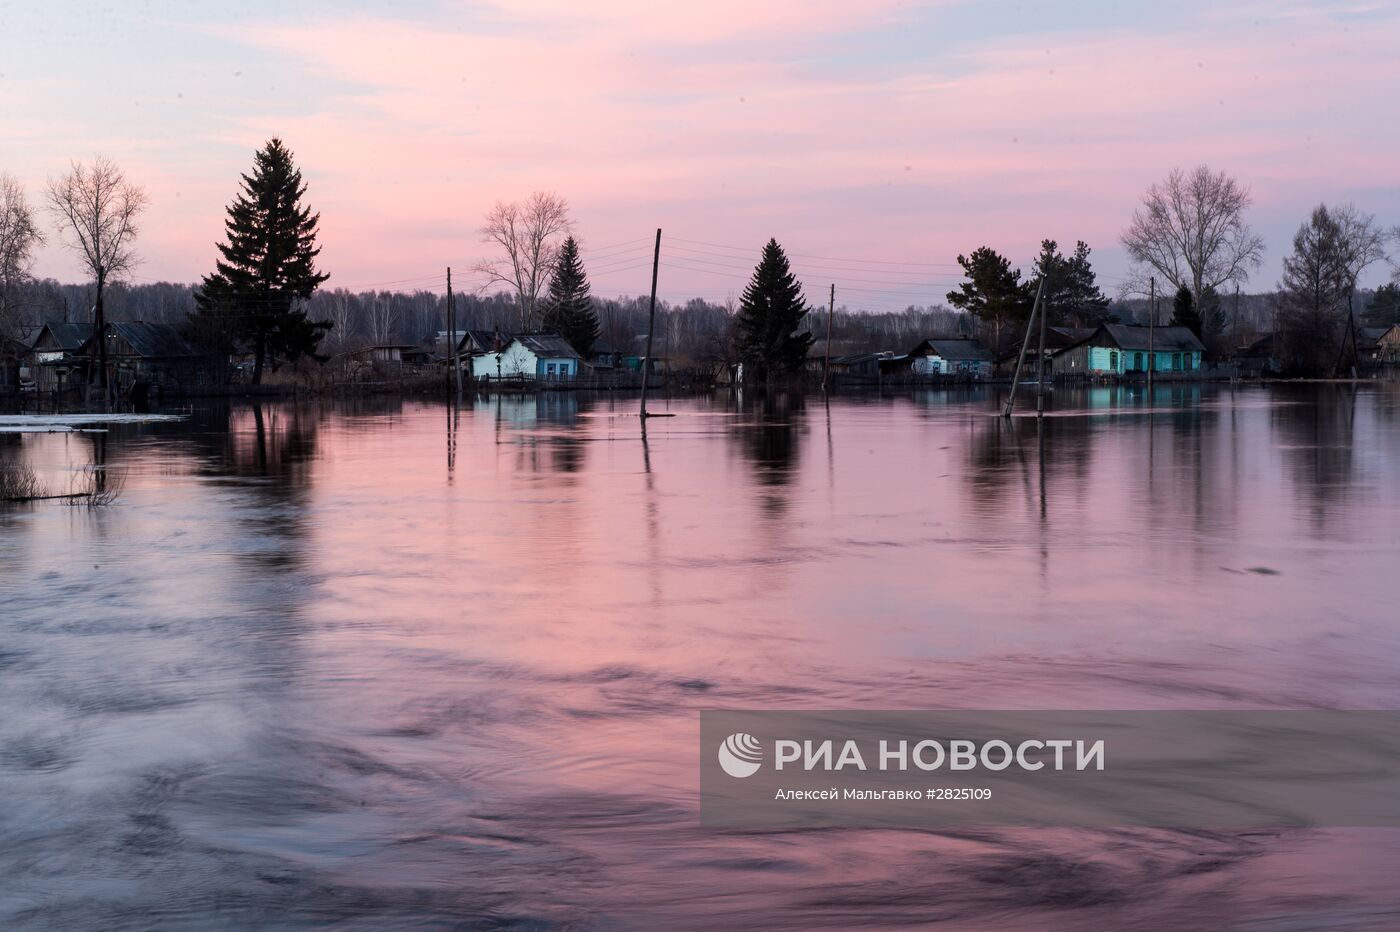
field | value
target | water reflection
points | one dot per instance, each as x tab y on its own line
769	434
296	676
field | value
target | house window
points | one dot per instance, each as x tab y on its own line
1176	360
1137	360
1113	360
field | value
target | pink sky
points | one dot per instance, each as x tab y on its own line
899	132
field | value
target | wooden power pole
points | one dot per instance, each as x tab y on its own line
1040	360
1021	357
452	335
1151	326
651	321
826	361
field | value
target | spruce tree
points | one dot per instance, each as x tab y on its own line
1072	294
568	309
268	266
771	310
1184	312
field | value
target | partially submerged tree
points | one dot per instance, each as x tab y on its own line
19	235
268	267
770	311
528	233
1190	230
568	308
993	293
95	208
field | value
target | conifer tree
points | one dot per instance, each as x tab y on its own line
771	310
1184	312
993	292
568	309
268	267
1072	294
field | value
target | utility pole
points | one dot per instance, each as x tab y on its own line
1040	360
651	322
830	309
1021	357
452	334
1151	326
1235	324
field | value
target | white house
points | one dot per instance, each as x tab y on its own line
529	356
953	356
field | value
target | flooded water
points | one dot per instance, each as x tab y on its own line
359	665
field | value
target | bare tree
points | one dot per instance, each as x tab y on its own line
95	208
18	236
529	233
1190	230
383	318
1360	243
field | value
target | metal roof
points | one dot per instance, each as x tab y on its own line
547	344
1163	339
958	348
67	337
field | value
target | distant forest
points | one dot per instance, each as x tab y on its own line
697	331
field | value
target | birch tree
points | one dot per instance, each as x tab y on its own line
19	235
1190	230
95	209
527	236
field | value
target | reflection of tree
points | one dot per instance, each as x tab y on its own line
1315	435
1019	454
771	442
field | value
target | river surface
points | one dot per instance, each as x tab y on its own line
365	665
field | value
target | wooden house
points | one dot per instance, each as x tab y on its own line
141	356
1056	339
952	356
1369	349
55	360
541	356
1258	358
13	358
1388	344
1121	350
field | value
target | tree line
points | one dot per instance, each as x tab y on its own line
1188	240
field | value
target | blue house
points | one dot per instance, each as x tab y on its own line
1123	350
545	356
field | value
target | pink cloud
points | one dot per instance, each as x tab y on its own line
713	121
